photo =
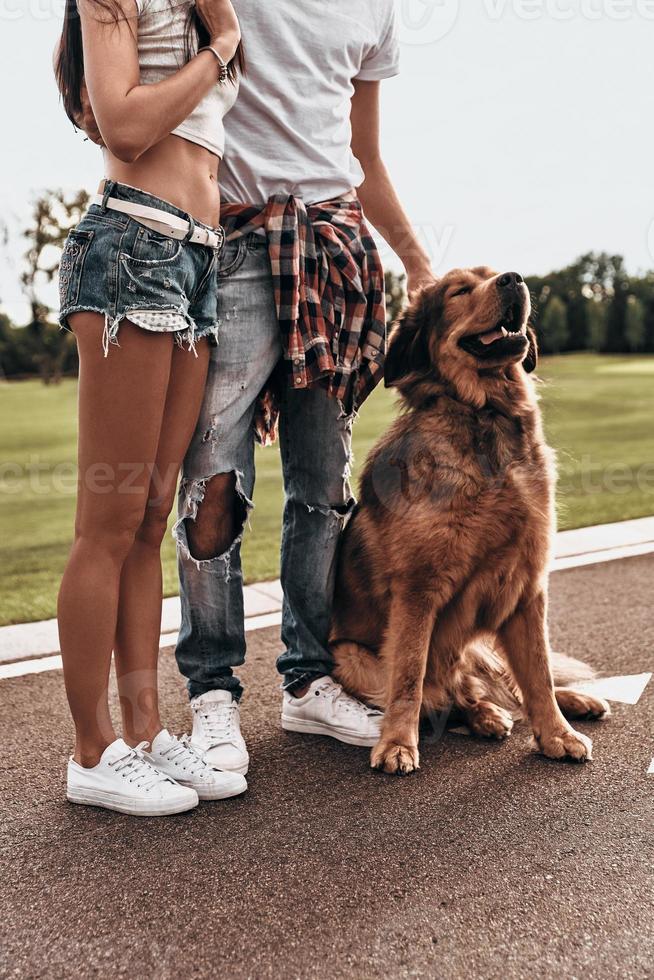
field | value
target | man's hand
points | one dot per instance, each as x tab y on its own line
86	120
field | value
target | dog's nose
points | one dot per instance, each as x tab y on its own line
510	280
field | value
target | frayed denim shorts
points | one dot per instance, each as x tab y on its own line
115	266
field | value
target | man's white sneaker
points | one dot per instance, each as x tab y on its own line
124	780
326	709
177	758
217	732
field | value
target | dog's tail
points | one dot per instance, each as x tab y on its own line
568	670
494	682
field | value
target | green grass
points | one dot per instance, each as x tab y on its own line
598	413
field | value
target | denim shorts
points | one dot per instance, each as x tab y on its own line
115	266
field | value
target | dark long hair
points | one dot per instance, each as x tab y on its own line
69	62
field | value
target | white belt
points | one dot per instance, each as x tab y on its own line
166	224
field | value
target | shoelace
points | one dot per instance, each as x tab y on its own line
219	721
136	768
183	753
335	693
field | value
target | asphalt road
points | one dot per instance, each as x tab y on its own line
489	863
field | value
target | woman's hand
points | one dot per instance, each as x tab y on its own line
219	18
86	121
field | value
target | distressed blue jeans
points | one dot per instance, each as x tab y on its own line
315	449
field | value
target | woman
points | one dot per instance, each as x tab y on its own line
138	289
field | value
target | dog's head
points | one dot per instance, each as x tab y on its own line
468	329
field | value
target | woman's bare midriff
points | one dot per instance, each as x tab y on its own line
183	173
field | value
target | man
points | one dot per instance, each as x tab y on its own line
305	129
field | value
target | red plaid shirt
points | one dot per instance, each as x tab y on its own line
329	294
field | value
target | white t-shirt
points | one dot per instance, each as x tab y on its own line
162	52
289	132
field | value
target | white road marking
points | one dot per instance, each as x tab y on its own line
627	690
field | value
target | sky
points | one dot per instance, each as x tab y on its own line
519	132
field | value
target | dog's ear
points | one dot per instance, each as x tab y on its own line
530	362
408	345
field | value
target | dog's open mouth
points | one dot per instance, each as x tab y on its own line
507	337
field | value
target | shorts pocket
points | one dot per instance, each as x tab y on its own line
152	285
71	266
151	247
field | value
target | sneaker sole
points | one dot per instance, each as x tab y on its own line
209	796
316	728
107	801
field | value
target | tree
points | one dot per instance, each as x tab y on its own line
395	296
554	328
53	216
596	316
616	341
15	358
634	328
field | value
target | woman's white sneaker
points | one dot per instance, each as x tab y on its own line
217	732
326	709
126	781
177	758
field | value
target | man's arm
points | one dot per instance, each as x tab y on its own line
380	202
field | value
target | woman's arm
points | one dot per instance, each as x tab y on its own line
377	193
132	117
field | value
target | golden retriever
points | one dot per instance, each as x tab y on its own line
441	594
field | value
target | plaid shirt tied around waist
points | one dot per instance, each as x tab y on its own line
329	294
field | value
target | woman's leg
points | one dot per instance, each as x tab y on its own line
139	611
121	405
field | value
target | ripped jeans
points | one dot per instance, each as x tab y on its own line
315	447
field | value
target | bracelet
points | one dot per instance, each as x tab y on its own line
223	72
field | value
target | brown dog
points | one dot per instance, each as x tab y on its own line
442	586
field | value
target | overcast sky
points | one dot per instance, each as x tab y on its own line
519	133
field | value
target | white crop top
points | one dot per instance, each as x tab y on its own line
162	51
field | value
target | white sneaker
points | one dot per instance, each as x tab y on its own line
217	732
177	758
326	709
124	780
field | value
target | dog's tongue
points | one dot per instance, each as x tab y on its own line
492	335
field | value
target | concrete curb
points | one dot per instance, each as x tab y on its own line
263	601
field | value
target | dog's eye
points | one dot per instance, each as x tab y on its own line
463	291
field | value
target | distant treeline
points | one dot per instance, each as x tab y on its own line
592	305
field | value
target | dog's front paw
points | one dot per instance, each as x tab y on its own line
394	758
566	744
